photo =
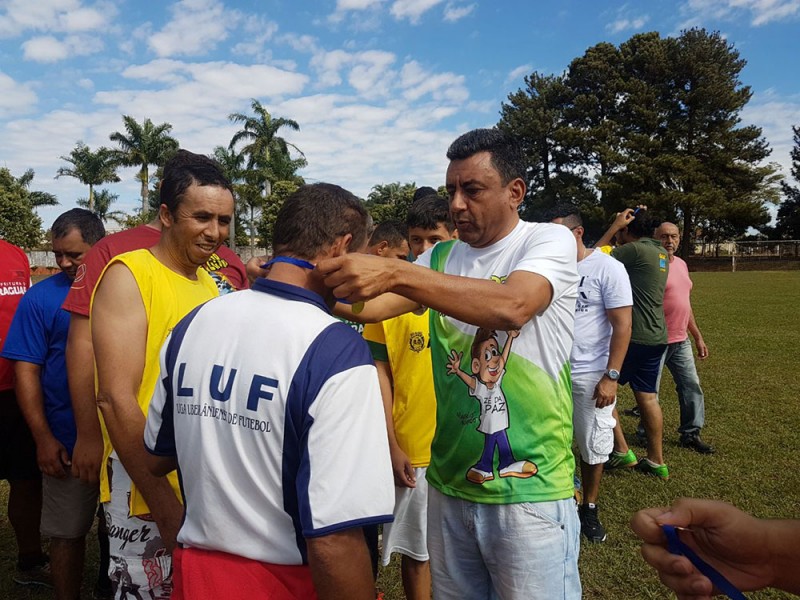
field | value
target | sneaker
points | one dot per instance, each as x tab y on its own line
648	467
632	412
476	475
640	439
693	442
620	460
591	528
38	575
522	469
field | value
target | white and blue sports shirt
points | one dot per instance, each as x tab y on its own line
273	409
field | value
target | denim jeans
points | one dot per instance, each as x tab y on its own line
523	551
679	359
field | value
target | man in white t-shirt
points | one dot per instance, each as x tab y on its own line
494	529
602	334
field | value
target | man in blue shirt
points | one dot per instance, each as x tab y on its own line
36	342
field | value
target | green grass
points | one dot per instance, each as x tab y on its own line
752	386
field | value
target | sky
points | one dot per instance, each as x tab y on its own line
379	87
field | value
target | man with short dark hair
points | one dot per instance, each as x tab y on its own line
679	358
139	298
507	528
280	422
36	342
646	262
602	334
389	239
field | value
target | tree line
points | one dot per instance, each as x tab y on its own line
655	121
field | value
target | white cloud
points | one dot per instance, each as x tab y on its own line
368	72
15	98
343	5
54	16
761	12
86	83
519	72
626	24
775	115
47	49
261	31
453	13
416	83
412	9
196	28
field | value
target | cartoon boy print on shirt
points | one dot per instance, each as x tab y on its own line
484	383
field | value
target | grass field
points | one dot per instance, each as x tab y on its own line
752	386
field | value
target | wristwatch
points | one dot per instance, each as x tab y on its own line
612	374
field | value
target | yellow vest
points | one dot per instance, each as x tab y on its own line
167	297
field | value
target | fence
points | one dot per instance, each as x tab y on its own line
761	255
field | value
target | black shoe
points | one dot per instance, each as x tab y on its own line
591	528
640	439
632	412
693	442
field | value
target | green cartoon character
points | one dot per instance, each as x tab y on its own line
488	366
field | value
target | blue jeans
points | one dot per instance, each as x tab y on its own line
523	551
679	359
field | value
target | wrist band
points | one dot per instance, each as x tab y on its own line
676	546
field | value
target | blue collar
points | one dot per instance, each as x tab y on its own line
289	292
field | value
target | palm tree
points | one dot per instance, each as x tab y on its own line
35	198
143	145
90	168
232	164
268	158
103	200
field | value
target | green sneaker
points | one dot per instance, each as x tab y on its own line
621	460
648	467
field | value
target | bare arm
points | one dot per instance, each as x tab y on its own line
51	455
161	466
621	222
88	452
454	368
504	307
694	330
385	306
620	318
401	466
340	566
119	335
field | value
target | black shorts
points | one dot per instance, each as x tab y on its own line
641	367
17	448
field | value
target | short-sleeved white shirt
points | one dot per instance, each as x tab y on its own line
535	386
273	409
603	285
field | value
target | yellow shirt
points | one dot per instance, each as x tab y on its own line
167	297
405	343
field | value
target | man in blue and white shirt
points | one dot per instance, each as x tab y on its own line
271	410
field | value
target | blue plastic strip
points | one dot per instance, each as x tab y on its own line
676	546
297	262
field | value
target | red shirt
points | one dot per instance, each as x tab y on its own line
225	267
15	279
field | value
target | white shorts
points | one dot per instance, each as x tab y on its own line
408	534
594	427
140	565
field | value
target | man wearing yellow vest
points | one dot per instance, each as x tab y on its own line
141	295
